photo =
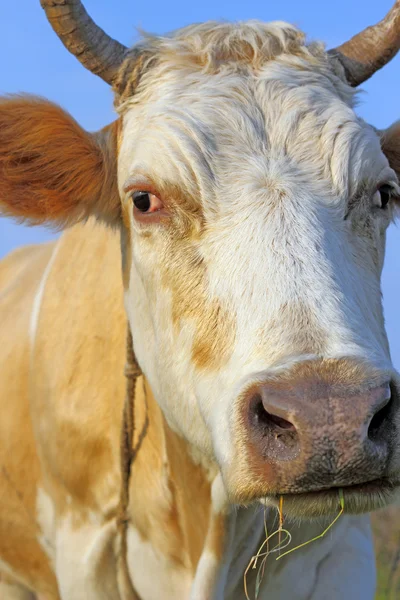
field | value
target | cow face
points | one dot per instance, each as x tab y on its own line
255	204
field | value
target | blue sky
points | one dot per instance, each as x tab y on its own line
34	60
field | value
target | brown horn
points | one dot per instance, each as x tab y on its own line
96	50
371	49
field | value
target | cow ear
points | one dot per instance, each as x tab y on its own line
51	170
390	142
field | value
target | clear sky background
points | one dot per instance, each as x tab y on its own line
34	60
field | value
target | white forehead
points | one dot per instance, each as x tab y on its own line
276	119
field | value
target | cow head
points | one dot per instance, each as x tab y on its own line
253	204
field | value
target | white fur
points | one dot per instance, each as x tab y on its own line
45	516
212	573
85	561
37	302
154	575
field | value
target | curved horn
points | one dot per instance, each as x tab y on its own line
371	49
96	50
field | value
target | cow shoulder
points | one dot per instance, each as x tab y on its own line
77	369
21	549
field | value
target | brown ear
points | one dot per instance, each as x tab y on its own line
51	170
390	142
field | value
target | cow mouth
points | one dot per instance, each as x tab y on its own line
358	498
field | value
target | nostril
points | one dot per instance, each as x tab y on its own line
275	437
381	420
272	431
263	417
278	421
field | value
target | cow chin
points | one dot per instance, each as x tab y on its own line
356	499
310	503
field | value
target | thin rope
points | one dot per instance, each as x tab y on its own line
128	453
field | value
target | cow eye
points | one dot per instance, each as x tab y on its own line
384	195
146	202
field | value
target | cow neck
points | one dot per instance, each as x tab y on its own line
218	521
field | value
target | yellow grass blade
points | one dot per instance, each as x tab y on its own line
321	535
261	555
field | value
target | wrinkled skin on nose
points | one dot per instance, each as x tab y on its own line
320	435
321	425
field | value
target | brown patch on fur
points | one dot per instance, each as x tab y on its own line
183	216
50	168
126	252
170	496
184	205
216	539
215	337
185	275
215	333
390	142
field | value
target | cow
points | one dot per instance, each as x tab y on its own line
223	246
